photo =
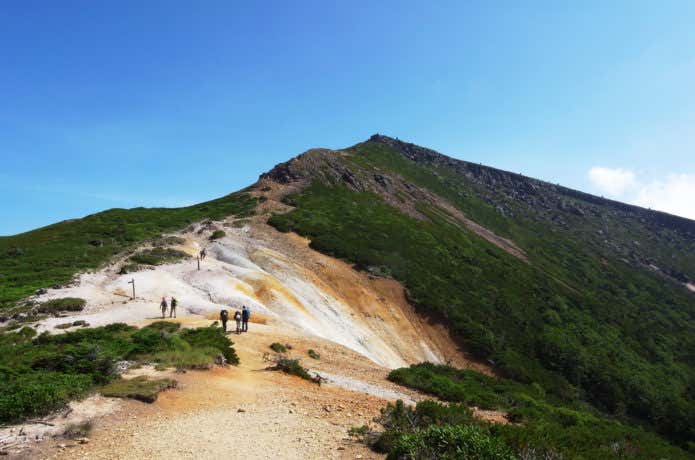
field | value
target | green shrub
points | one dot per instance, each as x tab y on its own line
278	347
151	340
157	256
313	354
59	305
186	357
166	326
434	413
546	427
39	374
130	268
358	430
293	367
217	234
211	337
33	394
141	388
450	443
397	420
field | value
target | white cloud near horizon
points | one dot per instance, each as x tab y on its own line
674	194
612	181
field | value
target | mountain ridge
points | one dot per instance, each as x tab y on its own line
587	301
425	155
500	187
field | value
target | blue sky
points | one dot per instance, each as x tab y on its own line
120	104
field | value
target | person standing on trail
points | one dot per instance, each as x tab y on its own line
164	307
245	315
172	310
202	254
224	316
237	318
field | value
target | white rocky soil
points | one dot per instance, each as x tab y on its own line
285	284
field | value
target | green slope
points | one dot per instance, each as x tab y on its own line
543	426
52	255
578	319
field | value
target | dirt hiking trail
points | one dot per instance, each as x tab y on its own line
246	411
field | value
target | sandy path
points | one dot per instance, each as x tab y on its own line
246	411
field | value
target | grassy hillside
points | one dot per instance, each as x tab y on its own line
40	374
543	427
52	255
579	319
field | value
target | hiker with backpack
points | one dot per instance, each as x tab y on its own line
237	318
172	310
164	306
224	316
245	316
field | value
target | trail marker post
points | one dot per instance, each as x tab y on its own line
198	262
132	281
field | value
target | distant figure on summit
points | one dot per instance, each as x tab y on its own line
245	315
203	253
164	306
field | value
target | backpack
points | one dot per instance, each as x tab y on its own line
237	316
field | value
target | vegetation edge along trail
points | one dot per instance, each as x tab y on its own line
53	255
40	374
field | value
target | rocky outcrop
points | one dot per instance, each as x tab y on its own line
329	167
606	223
533	191
609	226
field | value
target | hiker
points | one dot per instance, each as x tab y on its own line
224	316
164	307
202	254
172	310
245	315
237	318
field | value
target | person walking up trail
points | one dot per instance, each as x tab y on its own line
164	307
224	316
172	310
245	315
203	253
237	318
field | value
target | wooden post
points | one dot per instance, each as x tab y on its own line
198	262
132	281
